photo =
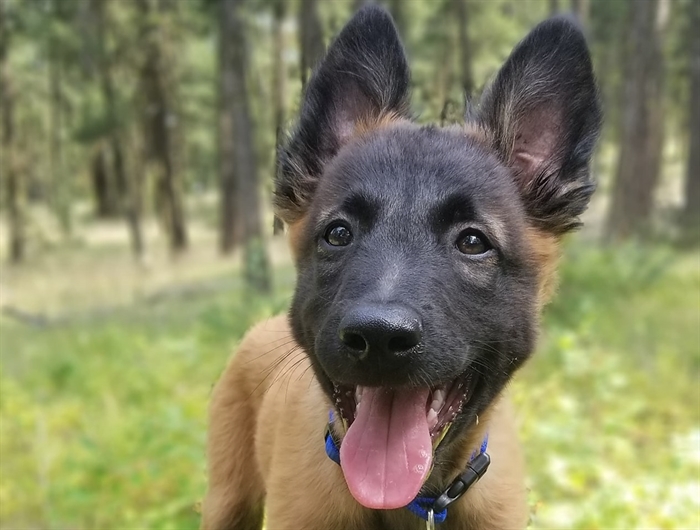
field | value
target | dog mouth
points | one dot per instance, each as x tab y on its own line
391	435
443	404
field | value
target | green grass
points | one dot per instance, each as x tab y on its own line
611	404
103	420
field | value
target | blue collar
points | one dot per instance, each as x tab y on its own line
420	506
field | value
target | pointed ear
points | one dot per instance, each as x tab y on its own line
543	116
363	80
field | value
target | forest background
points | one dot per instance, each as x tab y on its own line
137	245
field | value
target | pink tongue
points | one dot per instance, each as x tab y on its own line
387	452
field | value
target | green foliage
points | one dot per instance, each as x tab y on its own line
103	424
610	429
63	33
256	266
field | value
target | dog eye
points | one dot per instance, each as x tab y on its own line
338	235
473	242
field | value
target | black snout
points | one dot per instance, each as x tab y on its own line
380	331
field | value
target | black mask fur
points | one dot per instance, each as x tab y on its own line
407	192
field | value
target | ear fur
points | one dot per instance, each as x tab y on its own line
542	114
363	79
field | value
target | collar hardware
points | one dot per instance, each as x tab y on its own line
475	470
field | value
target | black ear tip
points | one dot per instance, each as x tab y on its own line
565	25
370	29
371	15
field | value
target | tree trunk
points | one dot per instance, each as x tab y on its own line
256	267
60	193
106	201
231	222
124	187
461	11
278	87
131	197
160	123
553	7
15	190
444	82
311	35
396	7
639	161
581	9
691	210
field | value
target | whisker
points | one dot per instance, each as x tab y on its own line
286	343
272	367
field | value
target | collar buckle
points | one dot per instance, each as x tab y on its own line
474	471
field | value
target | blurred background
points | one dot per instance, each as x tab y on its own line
137	245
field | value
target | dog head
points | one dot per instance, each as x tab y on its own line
424	254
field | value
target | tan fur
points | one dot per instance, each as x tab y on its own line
368	125
476	132
544	250
268	416
294	231
267	419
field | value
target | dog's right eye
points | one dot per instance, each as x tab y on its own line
472	242
338	235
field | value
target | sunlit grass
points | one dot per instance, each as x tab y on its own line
103	420
610	406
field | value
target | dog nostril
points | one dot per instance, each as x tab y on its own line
354	341
379	331
400	344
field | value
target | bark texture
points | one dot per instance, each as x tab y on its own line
641	141
691	209
126	187
279	76
244	163
311	35
15	192
461	11
581	9
160	120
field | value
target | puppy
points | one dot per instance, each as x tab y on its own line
423	258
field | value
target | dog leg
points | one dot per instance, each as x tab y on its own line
235	499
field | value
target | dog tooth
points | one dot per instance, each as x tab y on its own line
432	418
477	419
439	395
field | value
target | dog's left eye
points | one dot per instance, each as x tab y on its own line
338	235
473	242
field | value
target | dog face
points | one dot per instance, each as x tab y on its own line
424	254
